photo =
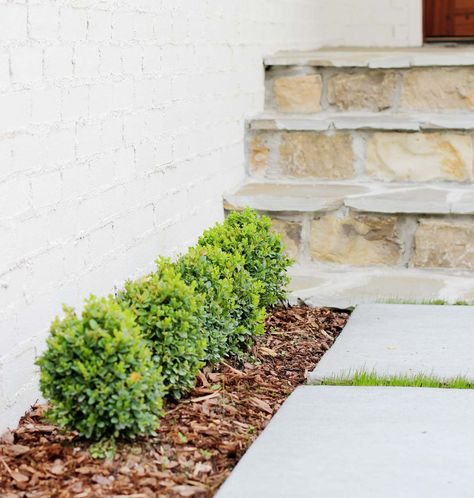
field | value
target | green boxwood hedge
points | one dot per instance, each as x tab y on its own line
99	375
168	312
106	372
251	235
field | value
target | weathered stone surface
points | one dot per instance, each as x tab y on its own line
426	200
445	244
420	156
291	197
291	236
315	155
439	88
345	287
368	90
355	239
259	152
298	93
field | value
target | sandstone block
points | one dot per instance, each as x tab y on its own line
291	236
355	239
420	156
441	88
445	244
298	93
259	152
368	90
315	155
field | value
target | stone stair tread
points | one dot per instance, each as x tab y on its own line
376	58
291	197
400	121
336	441
364	197
402	340
345	286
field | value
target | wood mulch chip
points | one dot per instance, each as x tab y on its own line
199	440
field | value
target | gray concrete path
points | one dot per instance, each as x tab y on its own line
362	442
407	340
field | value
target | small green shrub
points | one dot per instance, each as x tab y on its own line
232	313
169	314
198	268
98	373
247	310
252	236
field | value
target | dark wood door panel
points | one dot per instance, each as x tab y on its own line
448	18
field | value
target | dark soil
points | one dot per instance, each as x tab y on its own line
200	439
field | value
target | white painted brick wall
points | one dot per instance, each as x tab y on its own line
121	124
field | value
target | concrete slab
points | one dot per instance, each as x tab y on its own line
367	442
401	339
318	285
435	55
287	197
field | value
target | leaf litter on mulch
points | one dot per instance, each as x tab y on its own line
200	439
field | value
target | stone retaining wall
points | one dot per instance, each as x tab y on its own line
365	239
446	156
310	90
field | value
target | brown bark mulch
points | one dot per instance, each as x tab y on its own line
199	440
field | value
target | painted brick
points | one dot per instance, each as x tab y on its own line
58	62
13	22
46	105
26	64
43	22
73	24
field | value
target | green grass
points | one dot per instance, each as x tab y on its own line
420	380
438	302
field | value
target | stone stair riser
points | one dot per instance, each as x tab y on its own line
386	156
300	89
353	238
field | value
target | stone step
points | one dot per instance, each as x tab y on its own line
374	197
420	147
362	442
429	79
367	224
391	340
344	287
376	58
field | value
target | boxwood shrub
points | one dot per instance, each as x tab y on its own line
232	312
98	373
168	312
251	235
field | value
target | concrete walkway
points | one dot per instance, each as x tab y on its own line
400	442
406	340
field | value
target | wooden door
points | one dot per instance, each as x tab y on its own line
448	19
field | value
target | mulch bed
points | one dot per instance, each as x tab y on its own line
200	439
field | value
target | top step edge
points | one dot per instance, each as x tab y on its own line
376	58
326	121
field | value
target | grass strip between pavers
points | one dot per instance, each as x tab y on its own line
432	302
420	380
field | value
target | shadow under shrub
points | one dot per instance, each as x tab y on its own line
98	373
168	312
232	314
251	235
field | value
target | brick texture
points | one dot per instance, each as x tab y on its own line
121	125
